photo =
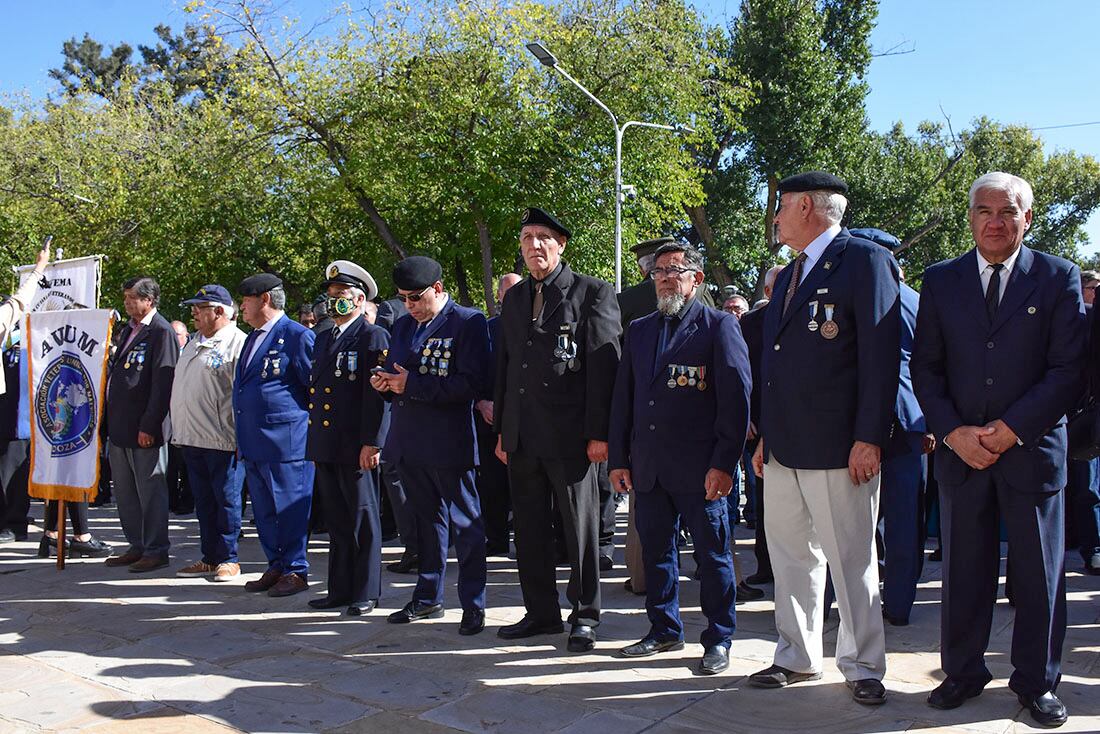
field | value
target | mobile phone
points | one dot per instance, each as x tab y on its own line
377	370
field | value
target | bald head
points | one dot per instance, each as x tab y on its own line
769	280
506	281
181	332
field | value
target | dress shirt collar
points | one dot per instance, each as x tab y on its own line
816	249
148	319
1009	263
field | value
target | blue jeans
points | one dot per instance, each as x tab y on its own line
216	478
1083	505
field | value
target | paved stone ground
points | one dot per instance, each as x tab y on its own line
103	650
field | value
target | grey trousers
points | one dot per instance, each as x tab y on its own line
141	493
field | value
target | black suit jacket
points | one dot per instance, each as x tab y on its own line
140	383
543	406
752	329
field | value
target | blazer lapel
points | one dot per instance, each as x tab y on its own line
440	319
1020	285
261	346
970	288
126	337
688	326
554	294
826	265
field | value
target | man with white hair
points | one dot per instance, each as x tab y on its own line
830	379
998	360
202	429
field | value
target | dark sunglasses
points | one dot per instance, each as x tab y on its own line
414	297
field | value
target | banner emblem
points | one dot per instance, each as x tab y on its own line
65	405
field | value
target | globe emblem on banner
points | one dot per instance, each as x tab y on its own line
65	406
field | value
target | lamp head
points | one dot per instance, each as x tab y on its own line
542	54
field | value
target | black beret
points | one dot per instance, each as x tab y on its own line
416	273
534	215
650	246
878	236
813	181
255	285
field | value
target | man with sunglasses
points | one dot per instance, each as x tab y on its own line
437	367
556	363
678	423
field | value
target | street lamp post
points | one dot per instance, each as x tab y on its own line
546	58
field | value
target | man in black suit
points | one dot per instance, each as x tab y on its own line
556	362
139	387
998	360
342	440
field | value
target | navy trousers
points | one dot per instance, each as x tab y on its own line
445	500
215	480
1083	506
282	492
970	525
901	510
350	502
657	515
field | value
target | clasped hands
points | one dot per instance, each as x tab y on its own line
981	446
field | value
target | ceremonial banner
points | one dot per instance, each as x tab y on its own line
67	368
73	282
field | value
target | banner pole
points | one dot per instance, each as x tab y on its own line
61	535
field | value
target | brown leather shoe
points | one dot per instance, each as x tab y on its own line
288	585
149	563
124	560
270	578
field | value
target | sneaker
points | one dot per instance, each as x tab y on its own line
196	570
227	571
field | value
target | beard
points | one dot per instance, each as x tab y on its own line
671	304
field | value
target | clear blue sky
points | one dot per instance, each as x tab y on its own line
1015	61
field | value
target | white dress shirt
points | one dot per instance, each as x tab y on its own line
815	249
985	271
261	336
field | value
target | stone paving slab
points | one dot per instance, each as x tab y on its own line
103	650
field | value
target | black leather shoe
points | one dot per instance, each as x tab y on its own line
1046	709
953	693
649	646
473	621
780	677
607	563
760	578
629	586
582	638
528	627
361	608
867	691
326	602
415	610
407	564
894	621
716	658
748	593
93	547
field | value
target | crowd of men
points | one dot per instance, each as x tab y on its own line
835	392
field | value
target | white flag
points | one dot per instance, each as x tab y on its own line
72	282
67	363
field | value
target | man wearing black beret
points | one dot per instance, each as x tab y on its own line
555	374
438	365
830	379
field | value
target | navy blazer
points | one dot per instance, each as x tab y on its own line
432	422
271	408
345	412
674	435
821	395
752	330
910	416
140	383
1026	368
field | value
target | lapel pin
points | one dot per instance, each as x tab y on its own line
1031	309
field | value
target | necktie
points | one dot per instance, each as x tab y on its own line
796	277
248	342
536	305
418	336
993	291
662	342
335	334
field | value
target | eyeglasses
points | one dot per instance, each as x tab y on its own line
413	297
671	272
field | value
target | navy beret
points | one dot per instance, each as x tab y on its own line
878	236
534	215
212	293
416	273
813	181
255	285
650	246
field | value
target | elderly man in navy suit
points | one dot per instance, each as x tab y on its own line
999	359
679	415
437	367
269	397
830	373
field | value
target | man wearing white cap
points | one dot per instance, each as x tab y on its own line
345	419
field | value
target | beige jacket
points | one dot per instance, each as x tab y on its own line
202	391
11	311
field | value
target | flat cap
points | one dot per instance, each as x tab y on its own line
534	215
345	272
650	246
813	181
212	293
878	236
416	273
255	285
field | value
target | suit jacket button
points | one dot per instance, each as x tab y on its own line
326	424
529	342
652	427
524	365
989	380
989	345
311	406
312	390
401	403
328	389
776	347
522	391
651	402
310	421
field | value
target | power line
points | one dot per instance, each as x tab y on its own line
1074	124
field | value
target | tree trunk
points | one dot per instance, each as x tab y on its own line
769	214
486	264
719	272
461	283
